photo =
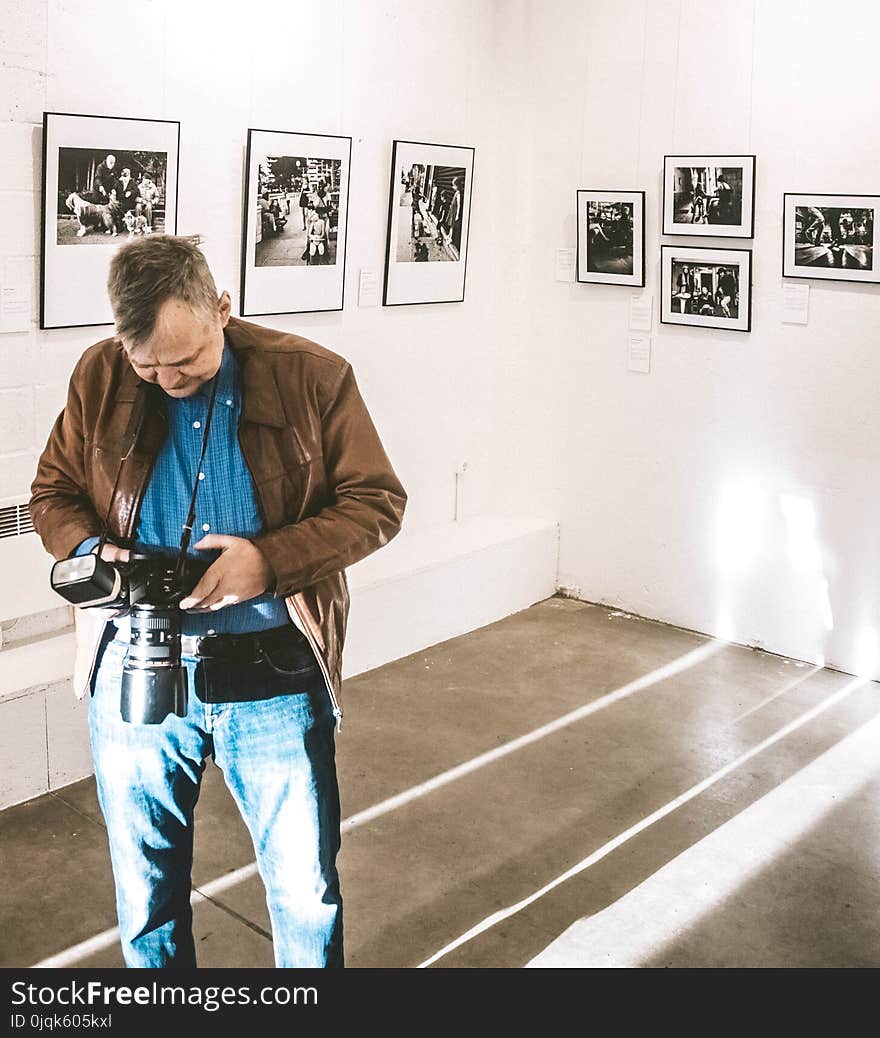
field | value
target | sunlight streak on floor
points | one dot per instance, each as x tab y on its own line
673	805
214	887
661	912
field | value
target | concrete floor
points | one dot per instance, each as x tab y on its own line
714	806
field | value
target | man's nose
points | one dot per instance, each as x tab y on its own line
171	380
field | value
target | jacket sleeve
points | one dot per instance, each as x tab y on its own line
62	512
368	504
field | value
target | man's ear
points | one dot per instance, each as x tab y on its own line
225	308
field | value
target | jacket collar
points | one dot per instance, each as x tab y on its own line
261	398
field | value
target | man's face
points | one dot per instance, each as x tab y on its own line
111	161
185	349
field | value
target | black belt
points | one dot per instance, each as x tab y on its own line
243	648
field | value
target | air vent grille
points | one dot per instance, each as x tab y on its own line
15	520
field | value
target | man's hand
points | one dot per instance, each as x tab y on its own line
240	573
113	553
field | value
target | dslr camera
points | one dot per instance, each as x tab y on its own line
148	588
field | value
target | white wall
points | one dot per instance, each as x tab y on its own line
734	489
444	383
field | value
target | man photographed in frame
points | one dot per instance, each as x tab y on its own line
293	485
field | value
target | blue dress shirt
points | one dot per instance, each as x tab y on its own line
226	502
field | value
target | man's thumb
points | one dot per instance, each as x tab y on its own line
215	540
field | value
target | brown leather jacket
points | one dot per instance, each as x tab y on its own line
328	492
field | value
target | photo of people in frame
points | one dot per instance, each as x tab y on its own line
705	289
297	211
431	230
829	236
708	195
610	237
107	194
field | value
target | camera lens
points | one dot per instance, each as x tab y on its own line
154	682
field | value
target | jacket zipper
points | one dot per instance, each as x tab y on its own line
337	710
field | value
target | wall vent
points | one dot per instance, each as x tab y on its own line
15	520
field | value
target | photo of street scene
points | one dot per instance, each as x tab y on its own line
297	211
610	237
825	236
705	289
430	229
708	195
104	195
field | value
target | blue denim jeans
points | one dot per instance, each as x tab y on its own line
277	757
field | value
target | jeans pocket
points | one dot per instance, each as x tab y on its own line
290	660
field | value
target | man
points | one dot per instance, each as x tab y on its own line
294	487
416	199
724	194
126	191
148	196
454	214
703	304
727	289
266	214
698	210
105	179
812	224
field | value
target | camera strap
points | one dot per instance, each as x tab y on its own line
191	515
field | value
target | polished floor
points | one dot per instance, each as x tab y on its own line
567	787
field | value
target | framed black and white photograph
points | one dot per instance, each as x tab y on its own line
611	237
428	221
830	237
709	195
106	180
295	222
706	288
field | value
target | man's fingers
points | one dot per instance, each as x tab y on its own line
113	553
216	540
205	587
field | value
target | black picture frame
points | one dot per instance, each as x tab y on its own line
295	271
744	228
73	279
585	247
857	256
408	282
706	256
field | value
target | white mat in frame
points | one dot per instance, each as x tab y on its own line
295	278
726	274
434	229
74	266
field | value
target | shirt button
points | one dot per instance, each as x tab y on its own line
197	425
201	475
229	403
206	526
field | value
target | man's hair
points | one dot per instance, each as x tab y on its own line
148	272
